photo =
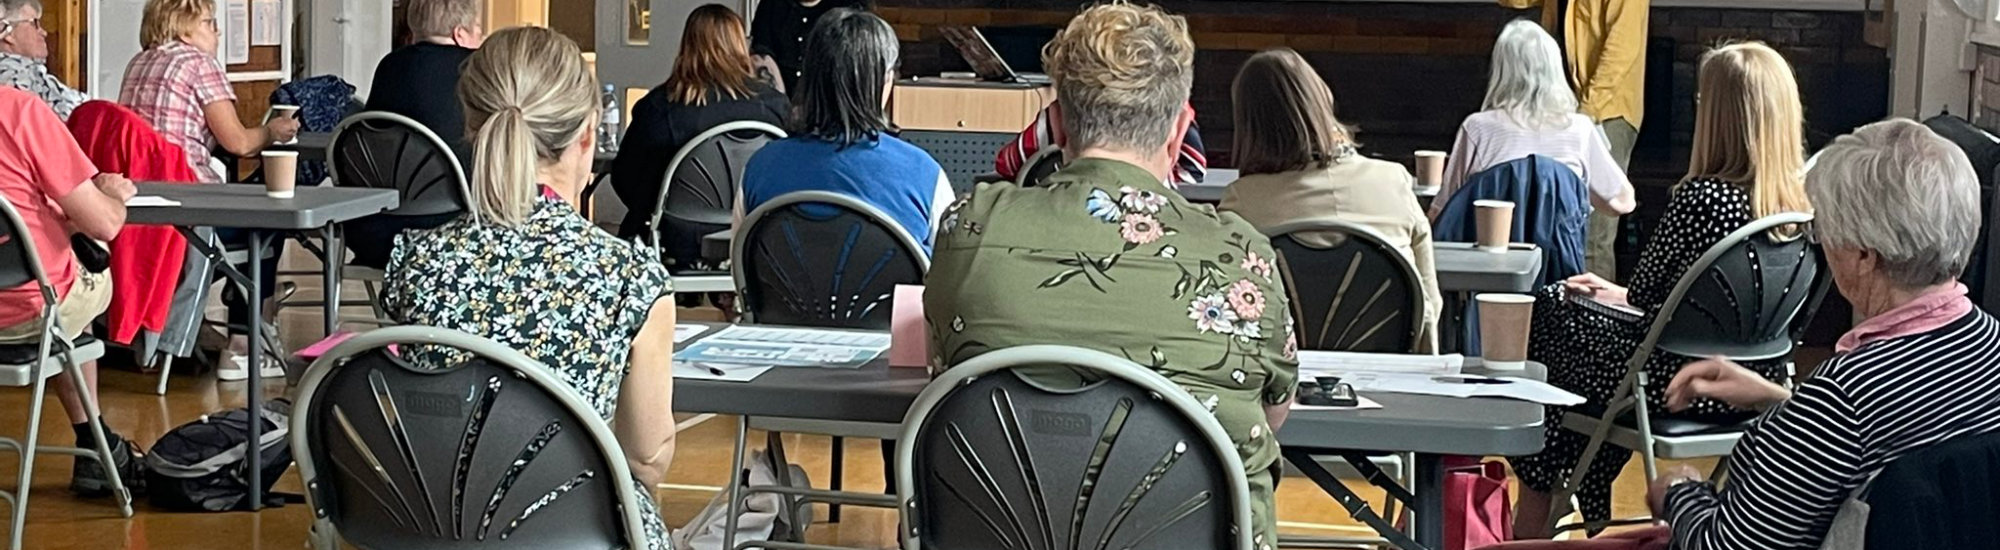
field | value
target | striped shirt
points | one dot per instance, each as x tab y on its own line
1491	138
1792	471
1189	168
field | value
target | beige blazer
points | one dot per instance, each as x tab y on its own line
1360	190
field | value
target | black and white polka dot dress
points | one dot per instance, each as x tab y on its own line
1587	352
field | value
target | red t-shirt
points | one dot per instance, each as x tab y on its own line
39	164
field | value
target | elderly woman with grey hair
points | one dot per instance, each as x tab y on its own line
1898	214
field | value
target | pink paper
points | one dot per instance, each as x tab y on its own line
320	348
909	341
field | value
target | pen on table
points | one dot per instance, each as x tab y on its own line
713	370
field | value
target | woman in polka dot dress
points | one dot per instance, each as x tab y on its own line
1747	163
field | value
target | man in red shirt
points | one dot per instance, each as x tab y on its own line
57	191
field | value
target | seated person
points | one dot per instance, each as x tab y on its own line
1189	168
1189	292
420	81
1748	163
841	143
57	191
178	86
501	273
1530	110
1299	163
24	57
711	85
1870	404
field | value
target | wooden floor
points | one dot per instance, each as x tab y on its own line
56	520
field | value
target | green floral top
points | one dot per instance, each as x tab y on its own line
1107	257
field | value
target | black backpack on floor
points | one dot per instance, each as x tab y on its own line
201	466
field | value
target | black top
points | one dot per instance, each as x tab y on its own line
780	27
420	81
661	126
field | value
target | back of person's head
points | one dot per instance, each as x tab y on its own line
1284	116
1866	186
1123	73
165	21
1527	81
851	58
1749	126
440	18
528	99
714	58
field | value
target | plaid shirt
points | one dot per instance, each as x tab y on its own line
168	86
33	77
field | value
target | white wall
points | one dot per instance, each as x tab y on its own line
348	38
1931	59
113	42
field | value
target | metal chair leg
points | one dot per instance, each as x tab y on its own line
1645	430
33	442
164	362
839	469
120	492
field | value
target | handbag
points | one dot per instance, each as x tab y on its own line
1477	509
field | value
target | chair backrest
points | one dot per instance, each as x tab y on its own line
1914	486
389	151
702	179
1747	298
989	459
1047	161
816	258
1359	294
494	445
20	263
963	155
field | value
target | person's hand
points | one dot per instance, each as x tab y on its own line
115	186
1656	494
1720	379
283	128
1592	286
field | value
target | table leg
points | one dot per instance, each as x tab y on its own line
1430	500
1307	463
330	292
254	301
735	484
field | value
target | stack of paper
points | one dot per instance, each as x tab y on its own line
1462	386
786	347
1341	363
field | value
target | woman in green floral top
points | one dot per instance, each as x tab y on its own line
1108	257
526	270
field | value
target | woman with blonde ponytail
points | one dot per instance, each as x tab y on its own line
1748	163
525	269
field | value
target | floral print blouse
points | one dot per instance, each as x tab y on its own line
1107	257
555	287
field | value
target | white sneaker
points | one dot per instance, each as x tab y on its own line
237	368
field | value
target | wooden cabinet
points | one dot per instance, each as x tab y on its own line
967	107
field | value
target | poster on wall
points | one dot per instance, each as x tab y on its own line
638	22
267	24
236	36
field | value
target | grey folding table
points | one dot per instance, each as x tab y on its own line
1464	268
312	146
1430	426
246	207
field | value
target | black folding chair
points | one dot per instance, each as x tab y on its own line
989	459
1359	294
698	194
1748	298
492	451
1038	168
31	366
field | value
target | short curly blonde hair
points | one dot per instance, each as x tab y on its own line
165	21
1122	73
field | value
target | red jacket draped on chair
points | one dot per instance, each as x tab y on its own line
145	259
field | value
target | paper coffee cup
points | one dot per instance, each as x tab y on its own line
1430	168
1504	323
1495	224
281	173
286	111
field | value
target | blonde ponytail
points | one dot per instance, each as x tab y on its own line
528	98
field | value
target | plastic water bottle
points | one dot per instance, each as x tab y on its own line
608	129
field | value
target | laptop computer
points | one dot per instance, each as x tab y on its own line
985	61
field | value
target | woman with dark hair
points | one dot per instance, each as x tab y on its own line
840	139
1299	163
711	85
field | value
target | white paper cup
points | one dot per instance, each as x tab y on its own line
1430	168
281	173
1504	324
1495	224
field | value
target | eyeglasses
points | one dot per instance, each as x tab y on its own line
210	22
9	24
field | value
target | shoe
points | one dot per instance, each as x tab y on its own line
237	368
88	478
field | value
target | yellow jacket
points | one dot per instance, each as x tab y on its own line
1606	40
